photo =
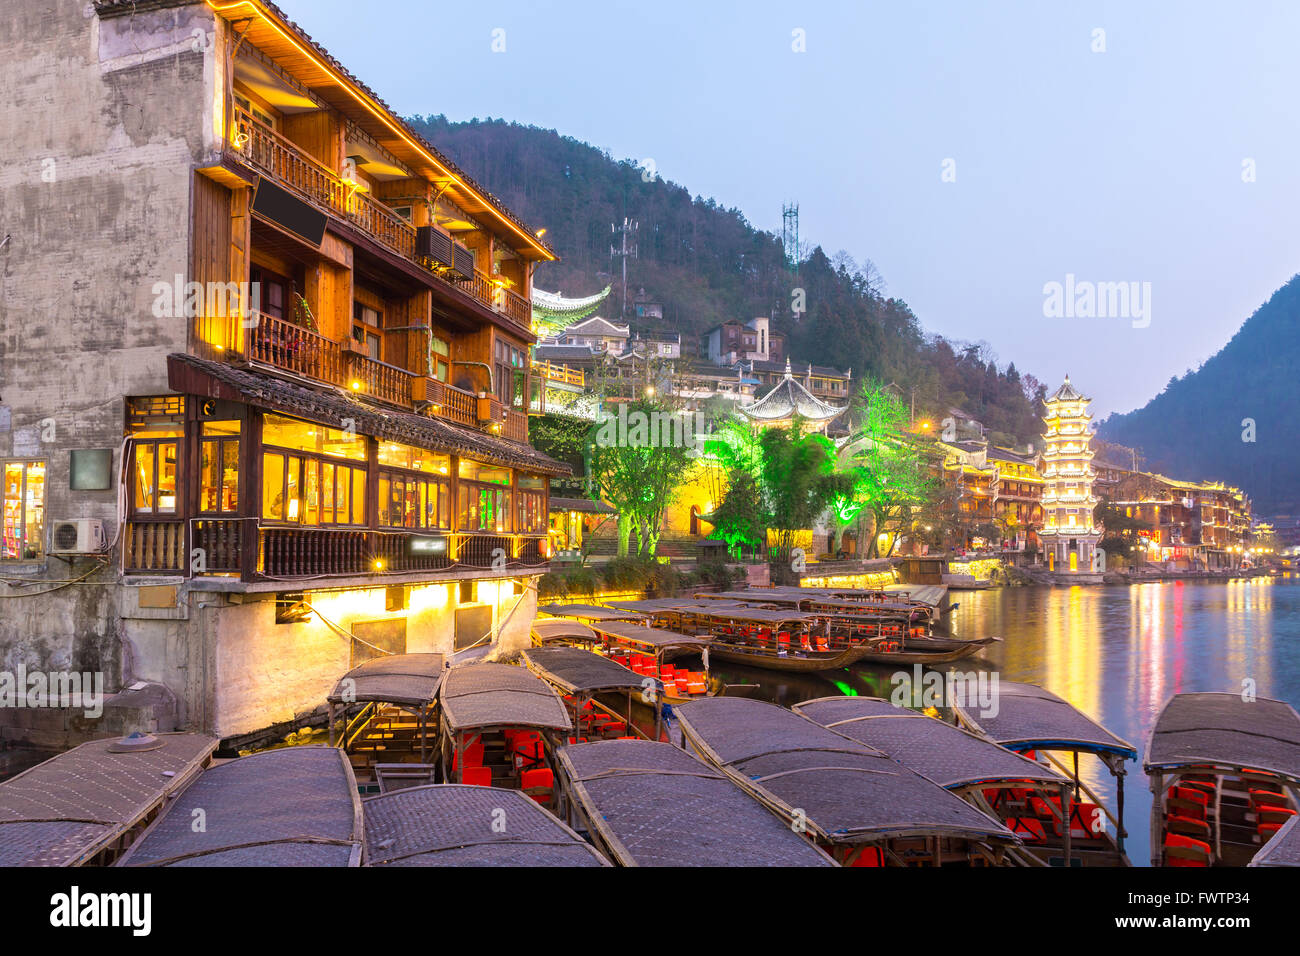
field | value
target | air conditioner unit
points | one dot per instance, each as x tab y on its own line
462	261
432	243
77	536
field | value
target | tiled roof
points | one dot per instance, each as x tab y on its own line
798	369
123	7
788	398
333	407
1067	393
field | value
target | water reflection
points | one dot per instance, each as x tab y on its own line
1116	653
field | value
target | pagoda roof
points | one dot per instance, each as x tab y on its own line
556	312
1067	393
787	399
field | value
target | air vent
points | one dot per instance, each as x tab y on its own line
463	261
431	242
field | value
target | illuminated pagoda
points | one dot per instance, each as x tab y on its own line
552	312
1068	534
788	398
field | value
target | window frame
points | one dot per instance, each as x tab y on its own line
41	551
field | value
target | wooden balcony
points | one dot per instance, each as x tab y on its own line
281	159
561	374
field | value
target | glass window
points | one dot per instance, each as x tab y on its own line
219	468
470	470
439	358
24	511
395	455
298	435
273	486
154	475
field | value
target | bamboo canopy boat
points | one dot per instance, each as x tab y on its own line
1028	796
560	630
1282	849
1036	722
770	638
871	604
455	825
388	717
590	612
648	650
88	805
1225	778
929	650
854	801
295	806
653	804
500	726
601	695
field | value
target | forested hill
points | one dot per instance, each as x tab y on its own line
1194	428
705	264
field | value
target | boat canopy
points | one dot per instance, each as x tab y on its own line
410	679
499	695
846	791
650	605
1283	849
574	670
550	629
654	804
1031	718
802	598
655	637
1227	731
451	824
724	611
948	755
66	810
295	806
590	612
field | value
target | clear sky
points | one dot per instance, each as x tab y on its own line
1117	166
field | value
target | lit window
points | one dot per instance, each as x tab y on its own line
24	511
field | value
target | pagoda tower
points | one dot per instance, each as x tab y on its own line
1068	532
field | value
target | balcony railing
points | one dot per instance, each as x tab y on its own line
292	167
154	546
378	379
515	426
563	374
293	348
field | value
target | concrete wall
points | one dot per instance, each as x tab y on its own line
266	673
101	123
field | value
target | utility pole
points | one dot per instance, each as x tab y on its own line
623	250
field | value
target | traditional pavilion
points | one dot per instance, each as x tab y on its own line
1068	534
552	312
788	398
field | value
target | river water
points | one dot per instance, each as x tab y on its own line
1116	653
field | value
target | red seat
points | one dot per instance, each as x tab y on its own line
473	755
1174	823
1084	819
478	776
1185	851
1267	798
865	856
1029	829
538	784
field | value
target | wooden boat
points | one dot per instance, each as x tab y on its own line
653	804
452	825
1031	798
770	638
1225	778
867	605
927	651
384	715
500	725
605	699
650	651
294	806
855	802
89	805
1036	723
590	612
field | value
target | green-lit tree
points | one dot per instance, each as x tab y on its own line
892	475
799	481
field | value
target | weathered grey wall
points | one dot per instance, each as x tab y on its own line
101	124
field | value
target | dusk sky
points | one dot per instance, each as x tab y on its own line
1117	166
